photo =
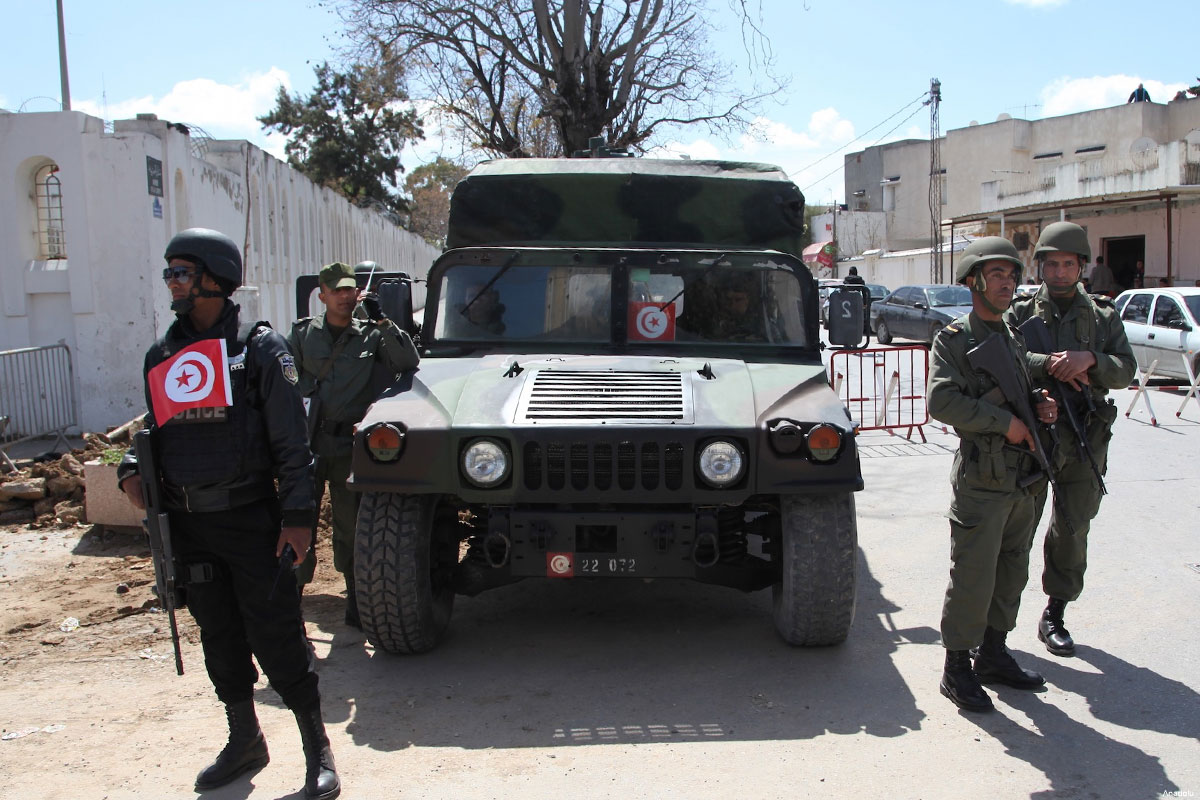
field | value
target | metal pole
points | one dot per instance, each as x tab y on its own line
1170	250
62	60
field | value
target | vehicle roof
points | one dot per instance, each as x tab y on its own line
1186	291
640	202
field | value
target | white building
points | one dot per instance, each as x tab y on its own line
86	212
1130	174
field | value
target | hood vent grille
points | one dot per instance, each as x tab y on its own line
601	396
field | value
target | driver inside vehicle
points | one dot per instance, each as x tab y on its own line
479	315
738	316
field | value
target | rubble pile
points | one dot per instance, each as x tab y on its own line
46	493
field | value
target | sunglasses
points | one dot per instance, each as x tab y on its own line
178	274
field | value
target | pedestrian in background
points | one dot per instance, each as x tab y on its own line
335	354
995	481
1091	354
229	522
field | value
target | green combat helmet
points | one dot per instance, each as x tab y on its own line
1066	237
987	248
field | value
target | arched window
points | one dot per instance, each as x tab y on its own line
52	242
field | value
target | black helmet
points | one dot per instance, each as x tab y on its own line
212	250
366	266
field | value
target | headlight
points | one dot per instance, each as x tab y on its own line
721	463
485	463
385	442
823	442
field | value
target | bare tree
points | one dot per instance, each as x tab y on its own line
510	72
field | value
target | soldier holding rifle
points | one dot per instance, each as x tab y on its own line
1087	354
225	423
979	383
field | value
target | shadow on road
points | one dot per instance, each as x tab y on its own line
560	663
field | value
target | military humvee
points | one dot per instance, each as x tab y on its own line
620	378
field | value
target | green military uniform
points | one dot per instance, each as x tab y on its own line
992	516
1090	323
344	394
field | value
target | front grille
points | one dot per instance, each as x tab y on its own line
592	466
596	395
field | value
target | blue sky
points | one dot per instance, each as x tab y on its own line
854	64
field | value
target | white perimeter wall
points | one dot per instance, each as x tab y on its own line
107	300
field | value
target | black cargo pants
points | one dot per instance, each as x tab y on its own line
228	562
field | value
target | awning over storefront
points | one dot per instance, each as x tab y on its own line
819	253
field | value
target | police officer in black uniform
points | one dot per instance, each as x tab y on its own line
229	522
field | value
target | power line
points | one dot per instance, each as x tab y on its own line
864	133
879	140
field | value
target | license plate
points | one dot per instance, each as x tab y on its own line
570	565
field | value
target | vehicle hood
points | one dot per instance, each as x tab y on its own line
489	392
951	312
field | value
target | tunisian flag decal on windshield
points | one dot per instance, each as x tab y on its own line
195	377
650	322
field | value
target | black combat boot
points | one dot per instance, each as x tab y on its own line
960	684
352	604
994	664
320	775
246	749
1052	631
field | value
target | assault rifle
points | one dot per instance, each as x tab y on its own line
159	529
995	359
1037	338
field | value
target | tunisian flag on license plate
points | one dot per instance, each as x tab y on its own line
195	377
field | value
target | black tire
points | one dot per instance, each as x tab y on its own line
933	332
882	333
815	594
403	572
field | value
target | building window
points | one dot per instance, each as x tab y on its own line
52	243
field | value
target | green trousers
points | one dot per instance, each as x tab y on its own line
332	473
991	533
1065	546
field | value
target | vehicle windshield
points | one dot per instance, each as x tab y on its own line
677	300
940	297
878	291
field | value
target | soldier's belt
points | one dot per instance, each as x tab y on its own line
189	498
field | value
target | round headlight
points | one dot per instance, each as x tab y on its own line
721	463
485	463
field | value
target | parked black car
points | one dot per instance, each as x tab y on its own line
918	312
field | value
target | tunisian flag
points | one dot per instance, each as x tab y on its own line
195	377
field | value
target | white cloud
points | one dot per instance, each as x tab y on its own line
1072	95
223	111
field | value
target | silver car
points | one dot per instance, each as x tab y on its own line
1163	324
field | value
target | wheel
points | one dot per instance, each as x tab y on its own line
403	572
933	332
814	596
882	333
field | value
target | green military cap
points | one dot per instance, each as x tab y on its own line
338	276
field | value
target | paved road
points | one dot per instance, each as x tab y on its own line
658	690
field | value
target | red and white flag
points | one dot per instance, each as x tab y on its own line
195	377
651	322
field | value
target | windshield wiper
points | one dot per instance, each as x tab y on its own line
663	307
503	269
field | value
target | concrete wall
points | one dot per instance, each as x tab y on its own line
106	300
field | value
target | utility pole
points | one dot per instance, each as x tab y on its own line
935	182
62	60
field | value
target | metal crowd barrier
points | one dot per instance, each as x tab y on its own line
37	396
883	388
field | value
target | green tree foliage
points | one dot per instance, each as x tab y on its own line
348	134
541	77
430	186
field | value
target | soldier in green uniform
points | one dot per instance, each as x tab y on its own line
1092	354
335	354
993	512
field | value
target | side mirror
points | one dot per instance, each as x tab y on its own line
920	306
846	316
395	295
